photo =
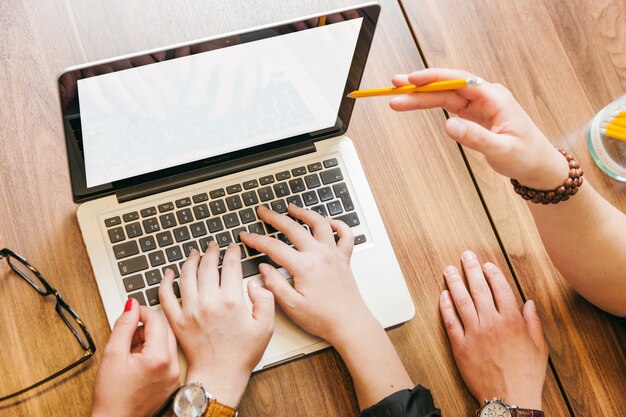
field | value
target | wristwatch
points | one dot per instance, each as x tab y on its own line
498	408
192	400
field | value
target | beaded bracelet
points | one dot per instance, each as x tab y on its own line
562	193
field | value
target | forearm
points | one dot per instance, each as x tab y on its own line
586	240
373	362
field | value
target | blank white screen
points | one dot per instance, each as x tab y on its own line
161	115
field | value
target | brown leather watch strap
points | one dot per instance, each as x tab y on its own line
525	412
220	410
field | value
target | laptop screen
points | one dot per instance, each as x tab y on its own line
149	115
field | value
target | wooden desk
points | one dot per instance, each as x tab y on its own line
415	172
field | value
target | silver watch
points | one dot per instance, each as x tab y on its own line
496	408
191	400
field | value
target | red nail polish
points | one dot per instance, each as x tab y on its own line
129	305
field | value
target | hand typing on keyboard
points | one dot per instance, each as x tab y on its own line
221	339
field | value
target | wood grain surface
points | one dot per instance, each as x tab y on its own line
423	187
564	61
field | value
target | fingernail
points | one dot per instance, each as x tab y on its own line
255	283
168	271
193	252
489	266
264	269
531	305
445	296
129	305
455	127
468	255
450	270
212	244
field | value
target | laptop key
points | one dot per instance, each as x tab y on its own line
334	208
284	239
181	234
147	243
133	283
129	217
174	253
217	193
152	294
176	289
156	258
223	239
351	219
236	234
360	239
317	166
232	189
183	202
147	212
279	206
204	242
234	202
330	163
296	172
113	221
266	194
139	297
247	216
312	181
200	198
189	246
270	229
168	220
283	176
242	251
184	216
215	224
268	179
164	238
132	265
174	268
297	185
256	228
231	220
252	251
201	211
166	207
133	230
296	200
116	234
310	198
248	185
151	225
346	200
250	267
126	249
250	198
321	209
340	189
217	207
281	189
332	175
325	194
198	229
153	277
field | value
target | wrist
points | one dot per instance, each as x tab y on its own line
365	327
227	387
551	171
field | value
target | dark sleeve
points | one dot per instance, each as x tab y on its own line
416	402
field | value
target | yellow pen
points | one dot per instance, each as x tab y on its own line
407	89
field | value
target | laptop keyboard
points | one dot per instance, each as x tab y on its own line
148	241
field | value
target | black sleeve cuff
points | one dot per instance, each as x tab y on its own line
416	402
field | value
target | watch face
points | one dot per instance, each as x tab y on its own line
495	409
190	401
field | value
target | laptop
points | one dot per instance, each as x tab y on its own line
171	148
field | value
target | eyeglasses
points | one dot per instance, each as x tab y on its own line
25	270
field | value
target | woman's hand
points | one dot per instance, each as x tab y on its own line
492	122
139	368
221	338
500	352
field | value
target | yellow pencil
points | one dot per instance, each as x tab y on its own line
614	127
614	134
619	121
619	114
407	89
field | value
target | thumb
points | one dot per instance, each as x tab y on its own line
124	329
472	135
533	323
262	303
284	293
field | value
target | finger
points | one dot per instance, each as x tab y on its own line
533	323
318	223
189	280
462	299
168	299
155	326
430	75
346	237
451	101
450	318
232	277
280	252
262	304
208	275
479	289
172	347
474	136
502	292
139	337
294	232
399	80
124	329
286	296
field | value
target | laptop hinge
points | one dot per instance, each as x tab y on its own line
214	171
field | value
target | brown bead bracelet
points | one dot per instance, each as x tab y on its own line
562	193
